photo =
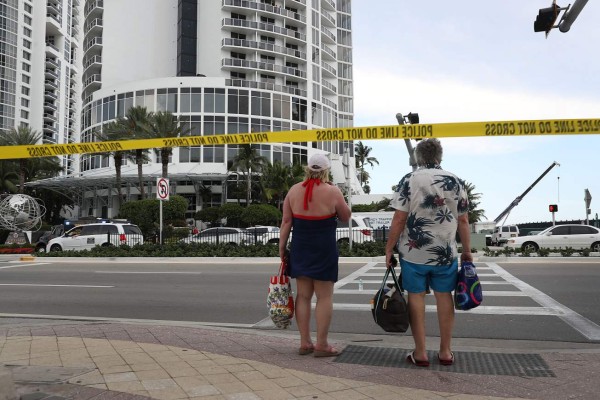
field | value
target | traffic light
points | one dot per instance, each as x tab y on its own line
553	208
546	19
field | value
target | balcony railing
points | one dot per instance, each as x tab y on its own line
327	17
264	27
263	46
96	5
264	66
328	68
329	86
265	7
265	86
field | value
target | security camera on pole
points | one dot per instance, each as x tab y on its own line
588	200
162	194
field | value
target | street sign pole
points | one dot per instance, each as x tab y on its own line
162	194
346	165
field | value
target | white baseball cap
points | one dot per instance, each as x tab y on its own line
318	162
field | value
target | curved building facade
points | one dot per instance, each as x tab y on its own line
228	66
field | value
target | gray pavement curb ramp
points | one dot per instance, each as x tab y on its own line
7	386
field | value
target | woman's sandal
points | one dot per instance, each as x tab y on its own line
419	363
306	350
446	362
330	351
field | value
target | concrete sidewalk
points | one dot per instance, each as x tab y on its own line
56	359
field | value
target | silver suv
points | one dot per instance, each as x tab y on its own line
88	236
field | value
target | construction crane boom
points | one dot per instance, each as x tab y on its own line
516	201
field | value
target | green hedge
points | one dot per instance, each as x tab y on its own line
372	249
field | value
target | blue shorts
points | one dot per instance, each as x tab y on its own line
417	277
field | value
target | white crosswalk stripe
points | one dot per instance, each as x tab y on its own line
363	278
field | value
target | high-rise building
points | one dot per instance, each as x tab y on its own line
39	77
221	66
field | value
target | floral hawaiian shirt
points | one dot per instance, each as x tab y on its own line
433	199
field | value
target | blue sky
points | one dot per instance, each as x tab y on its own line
476	60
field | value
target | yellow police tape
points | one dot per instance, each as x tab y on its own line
417	131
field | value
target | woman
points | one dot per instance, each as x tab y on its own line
312	209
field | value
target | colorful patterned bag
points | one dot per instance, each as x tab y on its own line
280	299
468	293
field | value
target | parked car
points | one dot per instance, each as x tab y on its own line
501	234
575	236
85	237
264	234
362	231
220	235
55	231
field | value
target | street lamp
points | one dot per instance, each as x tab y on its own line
347	171
411	118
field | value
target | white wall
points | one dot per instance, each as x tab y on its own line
140	42
210	18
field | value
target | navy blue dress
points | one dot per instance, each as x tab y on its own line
314	252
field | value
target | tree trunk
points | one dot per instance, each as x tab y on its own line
164	158
249	184
139	161
22	171
118	164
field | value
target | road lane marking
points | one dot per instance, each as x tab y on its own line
577	321
43	285
488	293
22	265
147	272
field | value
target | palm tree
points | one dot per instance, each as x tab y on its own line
137	124
361	156
164	124
475	214
247	160
22	136
113	131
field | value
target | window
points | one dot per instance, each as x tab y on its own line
237	102
24	114
26	67
239	56
24	102
267	39
560	230
267	20
192	126
26	55
236	35
166	100
238	16
268	59
27	19
214	100
261	104
25	90
27	8
583	230
213	126
237	75
26	79
26	44
27	32
190	100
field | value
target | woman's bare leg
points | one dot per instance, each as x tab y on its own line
304	294
323	311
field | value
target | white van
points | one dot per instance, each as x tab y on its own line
503	233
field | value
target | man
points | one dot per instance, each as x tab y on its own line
431	206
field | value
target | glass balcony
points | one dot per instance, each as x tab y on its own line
265	86
250	44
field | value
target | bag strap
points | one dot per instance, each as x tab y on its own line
397	284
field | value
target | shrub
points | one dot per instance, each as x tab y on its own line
233	213
261	214
210	215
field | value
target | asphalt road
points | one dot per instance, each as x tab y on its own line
540	299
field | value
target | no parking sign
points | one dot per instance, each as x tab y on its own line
162	188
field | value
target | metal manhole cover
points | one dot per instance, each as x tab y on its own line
531	365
